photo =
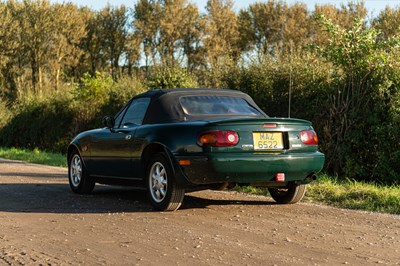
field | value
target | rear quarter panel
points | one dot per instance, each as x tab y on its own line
178	138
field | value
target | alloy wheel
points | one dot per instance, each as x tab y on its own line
158	182
76	170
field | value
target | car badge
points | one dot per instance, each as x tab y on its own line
247	146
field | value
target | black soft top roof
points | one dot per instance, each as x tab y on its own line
165	105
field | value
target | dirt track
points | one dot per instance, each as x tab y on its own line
43	223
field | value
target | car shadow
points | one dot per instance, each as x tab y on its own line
35	175
58	198
195	202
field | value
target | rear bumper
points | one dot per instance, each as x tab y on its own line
250	168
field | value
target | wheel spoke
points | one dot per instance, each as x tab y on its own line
162	173
158	194
162	191
158	170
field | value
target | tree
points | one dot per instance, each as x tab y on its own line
70	29
388	22
343	16
295	30
221	30
192	36
112	22
265	25
178	22
36	21
221	38
10	47
92	59
146	16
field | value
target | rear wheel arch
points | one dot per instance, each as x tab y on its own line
153	149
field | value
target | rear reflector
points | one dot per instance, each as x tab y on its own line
280	177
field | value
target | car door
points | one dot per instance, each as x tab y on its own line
112	149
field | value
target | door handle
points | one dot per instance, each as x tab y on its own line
123	131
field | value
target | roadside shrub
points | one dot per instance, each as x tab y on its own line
5	113
98	96
360	112
121	92
164	77
39	123
269	84
89	95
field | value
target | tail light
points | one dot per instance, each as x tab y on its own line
218	138
309	137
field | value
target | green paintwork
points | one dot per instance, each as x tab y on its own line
121	154
252	168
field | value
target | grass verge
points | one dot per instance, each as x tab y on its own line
348	194
341	193
351	194
35	156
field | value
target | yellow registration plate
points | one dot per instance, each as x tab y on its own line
267	140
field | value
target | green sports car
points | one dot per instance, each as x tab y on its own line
177	140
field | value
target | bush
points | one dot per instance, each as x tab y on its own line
360	112
39	123
268	83
120	93
164	77
98	96
5	113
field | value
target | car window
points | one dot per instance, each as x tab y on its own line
135	113
217	105
119	116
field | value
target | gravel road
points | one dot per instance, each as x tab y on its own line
43	223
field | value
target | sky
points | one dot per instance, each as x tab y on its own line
373	6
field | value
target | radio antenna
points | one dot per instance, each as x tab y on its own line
290	80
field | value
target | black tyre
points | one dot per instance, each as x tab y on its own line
163	192
290	194
79	181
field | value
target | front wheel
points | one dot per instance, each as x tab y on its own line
79	181
290	194
163	192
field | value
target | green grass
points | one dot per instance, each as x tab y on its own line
350	194
341	193
347	194
35	156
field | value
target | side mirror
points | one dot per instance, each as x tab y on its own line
108	122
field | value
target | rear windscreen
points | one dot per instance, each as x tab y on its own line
217	105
